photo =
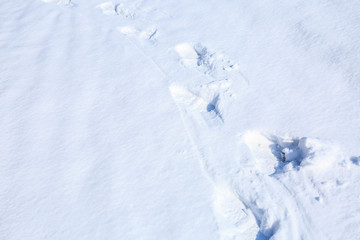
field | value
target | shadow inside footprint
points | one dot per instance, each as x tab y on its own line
210	107
287	151
355	160
261	236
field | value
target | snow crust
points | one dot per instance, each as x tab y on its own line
179	119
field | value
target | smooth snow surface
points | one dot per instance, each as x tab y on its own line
138	119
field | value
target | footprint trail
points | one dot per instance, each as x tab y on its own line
249	170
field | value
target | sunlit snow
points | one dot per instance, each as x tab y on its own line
136	119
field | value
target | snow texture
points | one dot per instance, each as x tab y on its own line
138	119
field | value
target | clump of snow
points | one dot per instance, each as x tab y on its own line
187	53
317	155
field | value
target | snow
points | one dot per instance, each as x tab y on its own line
179	120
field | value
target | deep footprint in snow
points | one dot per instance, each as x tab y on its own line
274	164
208	62
217	87
201	108
282	158
288	151
273	154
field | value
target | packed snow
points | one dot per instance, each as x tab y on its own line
134	119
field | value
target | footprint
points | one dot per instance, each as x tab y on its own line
107	8
133	9
200	58
274	154
121	9
125	10
262	158
304	161
235	220
289	152
201	108
147	34
217	88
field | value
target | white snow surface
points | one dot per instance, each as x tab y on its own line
136	119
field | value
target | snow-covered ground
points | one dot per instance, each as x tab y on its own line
136	119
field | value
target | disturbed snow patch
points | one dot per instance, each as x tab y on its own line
207	106
274	154
199	57
215	90
263	181
235	220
